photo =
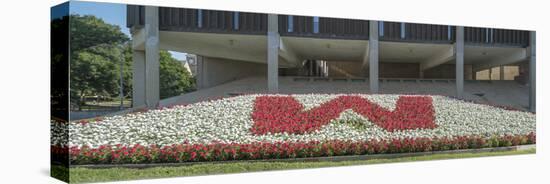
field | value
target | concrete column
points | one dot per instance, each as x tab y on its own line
373	56
501	72
152	90
273	42
319	68
315	68
323	68
459	46
138	78
310	63
326	69
532	71
474	73
490	73
468	70
201	75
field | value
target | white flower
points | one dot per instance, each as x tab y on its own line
229	120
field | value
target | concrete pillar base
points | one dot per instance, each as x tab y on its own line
152	89
459	46
501	72
532	72
146	64
273	42
138	78
373	56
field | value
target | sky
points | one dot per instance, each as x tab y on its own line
112	13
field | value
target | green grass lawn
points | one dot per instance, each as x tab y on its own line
80	175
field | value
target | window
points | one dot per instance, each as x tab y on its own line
402	30
290	25
199	18
236	20
315	24
381	28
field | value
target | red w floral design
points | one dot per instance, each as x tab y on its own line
277	114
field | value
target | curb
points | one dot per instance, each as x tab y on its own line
312	159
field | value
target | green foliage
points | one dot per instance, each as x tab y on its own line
97	50
59	57
60	172
59	47
127	71
92	70
174	78
87	31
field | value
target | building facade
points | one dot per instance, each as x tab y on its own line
231	45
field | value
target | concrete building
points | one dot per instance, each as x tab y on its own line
191	60
186	66
236	45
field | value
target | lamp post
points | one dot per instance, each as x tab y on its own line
121	92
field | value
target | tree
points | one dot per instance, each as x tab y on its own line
95	54
87	31
95	72
127	71
59	70
174	78
96	50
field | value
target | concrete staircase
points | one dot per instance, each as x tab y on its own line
509	93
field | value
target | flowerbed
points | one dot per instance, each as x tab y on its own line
293	126
279	150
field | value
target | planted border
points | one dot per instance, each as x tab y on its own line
179	153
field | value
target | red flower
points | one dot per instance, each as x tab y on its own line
261	150
276	114
115	156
